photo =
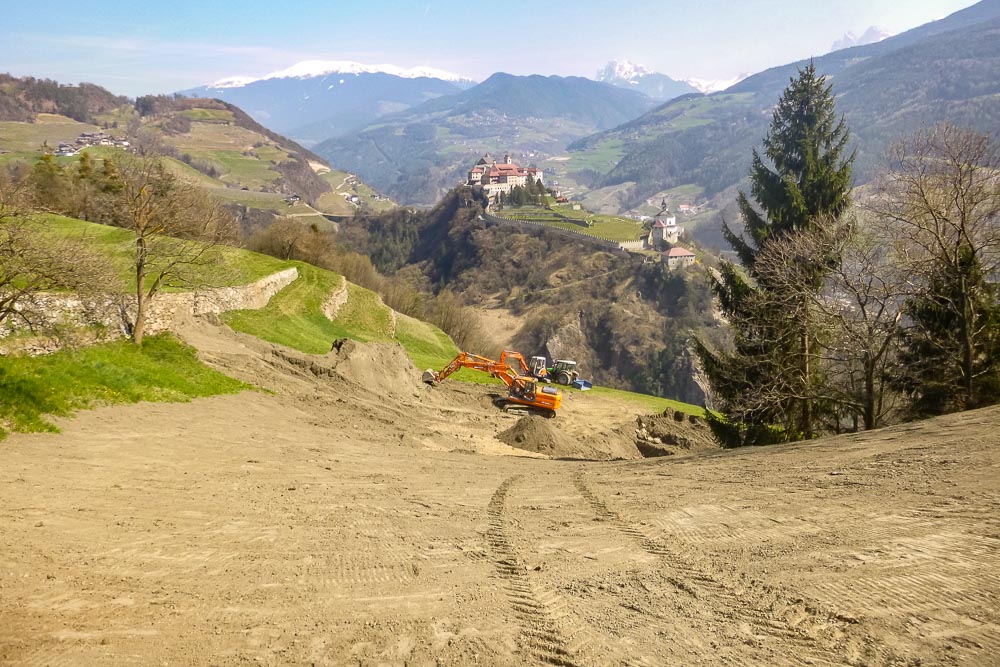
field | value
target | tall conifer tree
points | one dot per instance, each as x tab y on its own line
802	180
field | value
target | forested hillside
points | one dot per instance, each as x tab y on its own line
627	321
23	99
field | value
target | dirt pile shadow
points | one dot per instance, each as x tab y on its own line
672	433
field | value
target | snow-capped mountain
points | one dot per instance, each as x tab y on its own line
626	74
714	85
317	99
623	70
308	69
870	36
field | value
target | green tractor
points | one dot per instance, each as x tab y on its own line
563	371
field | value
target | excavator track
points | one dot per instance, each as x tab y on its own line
512	407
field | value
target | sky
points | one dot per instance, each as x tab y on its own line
135	48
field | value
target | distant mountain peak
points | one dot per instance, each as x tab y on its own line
870	36
233	82
622	70
314	68
714	85
627	74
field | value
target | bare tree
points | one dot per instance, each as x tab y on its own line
941	198
33	263
178	229
853	315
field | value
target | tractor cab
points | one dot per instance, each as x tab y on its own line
563	371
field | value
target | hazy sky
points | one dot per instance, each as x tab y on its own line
150	46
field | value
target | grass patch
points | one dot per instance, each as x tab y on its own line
244	170
609	227
364	317
294	316
210	115
653	404
431	348
51	128
189	174
162	369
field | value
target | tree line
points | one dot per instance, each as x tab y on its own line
853	314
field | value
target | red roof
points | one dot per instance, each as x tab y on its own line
659	224
679	252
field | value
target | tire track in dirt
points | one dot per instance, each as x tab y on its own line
742	603
534	610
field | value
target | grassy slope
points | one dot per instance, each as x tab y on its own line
50	128
163	369
242	157
232	267
604	226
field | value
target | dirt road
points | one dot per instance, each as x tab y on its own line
323	524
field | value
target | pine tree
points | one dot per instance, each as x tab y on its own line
945	366
801	181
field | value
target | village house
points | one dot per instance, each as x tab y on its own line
100	139
496	177
677	258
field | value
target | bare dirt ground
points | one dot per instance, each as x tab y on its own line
334	523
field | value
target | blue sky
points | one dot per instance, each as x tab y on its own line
133	48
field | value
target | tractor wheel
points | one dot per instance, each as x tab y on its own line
563	378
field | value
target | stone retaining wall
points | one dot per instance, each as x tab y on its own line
336	301
114	313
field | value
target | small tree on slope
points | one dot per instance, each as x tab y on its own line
177	229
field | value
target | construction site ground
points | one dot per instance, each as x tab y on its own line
350	515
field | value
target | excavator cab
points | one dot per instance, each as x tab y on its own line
537	367
524	388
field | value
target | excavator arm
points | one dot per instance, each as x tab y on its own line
462	360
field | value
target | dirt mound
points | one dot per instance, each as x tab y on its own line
383	368
672	433
545	436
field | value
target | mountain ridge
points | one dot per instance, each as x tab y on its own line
418	154
313	68
945	70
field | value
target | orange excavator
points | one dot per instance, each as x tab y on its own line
525	392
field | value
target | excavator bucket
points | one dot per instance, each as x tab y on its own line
430	376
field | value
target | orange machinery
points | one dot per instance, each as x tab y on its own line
525	392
